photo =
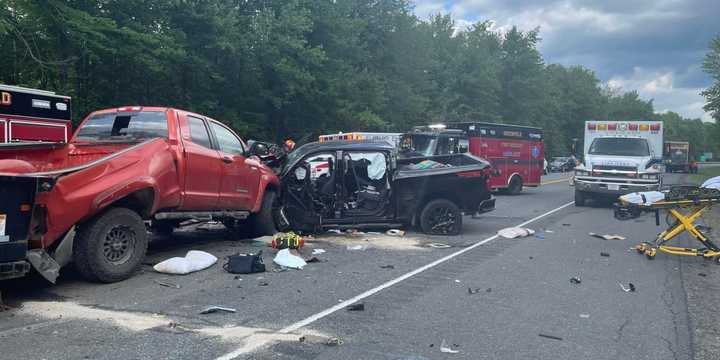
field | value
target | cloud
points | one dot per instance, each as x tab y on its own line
661	41
660	86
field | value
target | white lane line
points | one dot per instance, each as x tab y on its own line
313	318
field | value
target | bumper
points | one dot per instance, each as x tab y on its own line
486	205
601	186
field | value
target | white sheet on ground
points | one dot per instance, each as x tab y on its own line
287	259
513	232
193	261
712	183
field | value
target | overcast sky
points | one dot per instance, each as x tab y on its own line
654	47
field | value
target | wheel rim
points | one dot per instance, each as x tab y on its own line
119	244
442	220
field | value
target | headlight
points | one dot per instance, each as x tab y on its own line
649	176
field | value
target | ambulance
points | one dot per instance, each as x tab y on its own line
619	157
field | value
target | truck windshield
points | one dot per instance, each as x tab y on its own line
124	126
619	147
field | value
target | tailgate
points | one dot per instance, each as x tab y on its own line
18	195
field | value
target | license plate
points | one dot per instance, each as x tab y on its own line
613	187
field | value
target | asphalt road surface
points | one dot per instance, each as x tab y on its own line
484	297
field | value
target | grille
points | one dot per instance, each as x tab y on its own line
612	167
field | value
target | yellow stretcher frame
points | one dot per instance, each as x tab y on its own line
684	222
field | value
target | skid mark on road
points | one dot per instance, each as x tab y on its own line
320	315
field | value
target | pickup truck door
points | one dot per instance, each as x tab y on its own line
203	167
240	175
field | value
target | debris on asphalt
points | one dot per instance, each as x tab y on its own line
702	274
280	269
549	231
575	280
167	284
334	342
439	246
565	224
530	257
630	288
214	309
585	316
488	290
318	251
604	254
263	283
457	281
472	291
515	232
553	337
287	240
444	348
607	237
287	259
387	266
356	247
193	261
244	263
540	236
356	307
313	259
395	232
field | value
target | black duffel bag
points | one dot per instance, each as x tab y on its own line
244	263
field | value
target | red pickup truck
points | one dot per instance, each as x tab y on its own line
88	201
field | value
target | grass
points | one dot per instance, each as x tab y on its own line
704	173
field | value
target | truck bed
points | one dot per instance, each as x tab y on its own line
51	157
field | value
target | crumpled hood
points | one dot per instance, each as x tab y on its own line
637	162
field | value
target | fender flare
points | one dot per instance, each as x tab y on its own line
122	190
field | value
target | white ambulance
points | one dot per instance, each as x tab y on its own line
619	157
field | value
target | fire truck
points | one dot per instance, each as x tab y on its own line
31	115
517	153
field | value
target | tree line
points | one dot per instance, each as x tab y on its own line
274	69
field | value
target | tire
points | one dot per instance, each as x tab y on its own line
111	246
579	198
437	212
515	186
262	223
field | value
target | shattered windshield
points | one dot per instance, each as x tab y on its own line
124	126
619	147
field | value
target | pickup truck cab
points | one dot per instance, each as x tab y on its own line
363	184
88	201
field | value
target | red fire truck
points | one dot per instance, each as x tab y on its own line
30	115
516	152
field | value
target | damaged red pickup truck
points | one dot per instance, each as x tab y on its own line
87	201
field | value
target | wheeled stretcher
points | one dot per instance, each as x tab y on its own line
685	206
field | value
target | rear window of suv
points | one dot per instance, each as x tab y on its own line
124	126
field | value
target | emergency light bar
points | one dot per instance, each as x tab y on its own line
623	127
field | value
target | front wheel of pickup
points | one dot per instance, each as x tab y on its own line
111	246
441	217
263	222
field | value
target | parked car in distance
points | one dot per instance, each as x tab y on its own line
562	164
363	184
88	201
